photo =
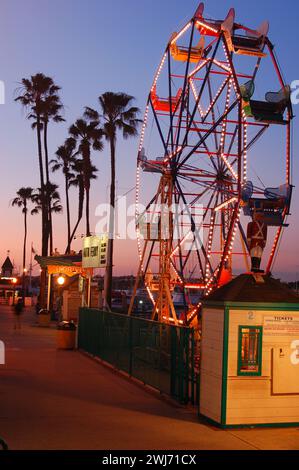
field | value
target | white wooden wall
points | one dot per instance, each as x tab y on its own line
251	400
211	363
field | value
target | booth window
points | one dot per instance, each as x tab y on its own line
250	350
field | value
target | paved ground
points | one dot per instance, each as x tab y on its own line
53	399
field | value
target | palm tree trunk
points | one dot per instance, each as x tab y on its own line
109	268
50	230
87	191
24	252
42	295
42	184
49	215
80	215
68	216
46	151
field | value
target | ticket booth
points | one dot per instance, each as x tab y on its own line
250	354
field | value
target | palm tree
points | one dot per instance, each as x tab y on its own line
55	206
38	95
51	109
88	136
117	114
33	94
65	158
24	196
77	180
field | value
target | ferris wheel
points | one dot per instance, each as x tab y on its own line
205	165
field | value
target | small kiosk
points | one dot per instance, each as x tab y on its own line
250	354
67	267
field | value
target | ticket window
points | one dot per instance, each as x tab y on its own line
250	351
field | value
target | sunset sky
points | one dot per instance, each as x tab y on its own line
93	46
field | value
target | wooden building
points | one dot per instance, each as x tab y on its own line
10	285
70	285
250	354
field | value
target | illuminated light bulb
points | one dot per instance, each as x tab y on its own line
225	204
180	33
158	71
197	69
61	280
224	67
245	147
206	26
196	98
166	159
215	99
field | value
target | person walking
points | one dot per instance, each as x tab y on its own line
18	310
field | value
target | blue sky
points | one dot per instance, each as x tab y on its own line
90	47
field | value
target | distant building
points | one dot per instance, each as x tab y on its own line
10	285
7	268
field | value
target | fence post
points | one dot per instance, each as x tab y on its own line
173	359
187	363
130	345
192	367
181	365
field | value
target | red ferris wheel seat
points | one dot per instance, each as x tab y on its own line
164	104
199	11
150	166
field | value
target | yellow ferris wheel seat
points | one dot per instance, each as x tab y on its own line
181	53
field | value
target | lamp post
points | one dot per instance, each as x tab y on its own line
14	281
24	285
60	282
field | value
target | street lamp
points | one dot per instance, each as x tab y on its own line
61	280
14	281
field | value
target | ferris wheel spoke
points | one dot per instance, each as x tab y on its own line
208	133
193	227
159	128
255	138
170	134
185	84
215	99
201	90
233	139
205	146
212	111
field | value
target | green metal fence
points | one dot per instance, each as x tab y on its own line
157	354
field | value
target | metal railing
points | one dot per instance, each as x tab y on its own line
157	354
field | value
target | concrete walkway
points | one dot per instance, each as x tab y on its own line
53	399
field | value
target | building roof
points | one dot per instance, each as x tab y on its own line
251	288
63	260
7	264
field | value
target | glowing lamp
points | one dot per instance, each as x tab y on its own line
61	280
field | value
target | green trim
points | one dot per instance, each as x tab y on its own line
244	426
241	373
224	366
253	305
